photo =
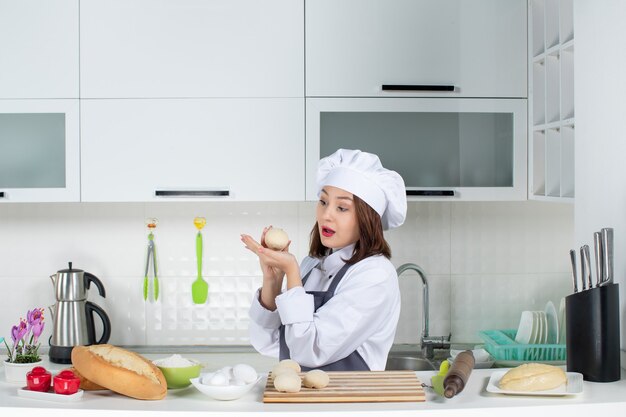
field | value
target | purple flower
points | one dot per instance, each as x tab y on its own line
25	336
19	331
37	330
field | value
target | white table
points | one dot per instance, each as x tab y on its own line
597	399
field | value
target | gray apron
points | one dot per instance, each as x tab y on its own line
352	362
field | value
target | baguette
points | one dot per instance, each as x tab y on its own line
86	384
120	370
533	377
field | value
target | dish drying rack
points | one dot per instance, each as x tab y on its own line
502	346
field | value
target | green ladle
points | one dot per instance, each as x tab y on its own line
199	288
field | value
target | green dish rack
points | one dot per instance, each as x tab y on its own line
502	346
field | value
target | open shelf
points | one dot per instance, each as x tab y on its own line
551	96
567	83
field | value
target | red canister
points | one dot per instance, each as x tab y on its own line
66	383
38	379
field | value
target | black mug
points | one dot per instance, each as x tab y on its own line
593	333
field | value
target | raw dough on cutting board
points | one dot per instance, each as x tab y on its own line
316	379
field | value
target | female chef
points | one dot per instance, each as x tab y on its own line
339	309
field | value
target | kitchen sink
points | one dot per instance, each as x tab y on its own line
411	363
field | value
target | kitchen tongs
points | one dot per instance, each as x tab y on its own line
151	255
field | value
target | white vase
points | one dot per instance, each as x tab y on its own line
15	373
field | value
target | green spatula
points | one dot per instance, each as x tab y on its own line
199	288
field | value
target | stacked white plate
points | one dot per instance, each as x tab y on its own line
539	327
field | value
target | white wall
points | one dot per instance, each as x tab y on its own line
600	102
486	263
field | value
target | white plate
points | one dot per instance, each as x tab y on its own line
49	395
524	331
574	386
543	327
553	323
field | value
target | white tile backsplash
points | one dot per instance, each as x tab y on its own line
486	262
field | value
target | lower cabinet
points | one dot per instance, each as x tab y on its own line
207	149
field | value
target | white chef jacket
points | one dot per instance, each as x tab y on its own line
362	315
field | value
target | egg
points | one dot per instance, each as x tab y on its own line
205	379
245	373
228	371
220	379
237	382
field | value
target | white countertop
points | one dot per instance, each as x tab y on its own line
605	398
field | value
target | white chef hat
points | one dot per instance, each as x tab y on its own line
362	174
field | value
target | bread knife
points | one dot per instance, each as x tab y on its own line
583	268
572	257
607	246
597	251
587	260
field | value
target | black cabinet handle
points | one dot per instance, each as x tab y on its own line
192	193
417	87
430	193
1	194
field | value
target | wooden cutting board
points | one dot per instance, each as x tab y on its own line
354	386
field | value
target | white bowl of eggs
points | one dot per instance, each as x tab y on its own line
228	383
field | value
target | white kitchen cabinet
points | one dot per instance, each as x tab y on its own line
445	149
551	100
207	149
39	150
191	48
38	49
354	47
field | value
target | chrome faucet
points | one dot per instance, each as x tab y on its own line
428	343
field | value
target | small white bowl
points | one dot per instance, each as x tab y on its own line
222	392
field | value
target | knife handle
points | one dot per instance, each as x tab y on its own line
587	259
607	245
572	257
597	251
583	268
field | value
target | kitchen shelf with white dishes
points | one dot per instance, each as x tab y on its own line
551	100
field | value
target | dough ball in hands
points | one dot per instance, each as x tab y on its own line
276	238
533	377
288	382
316	379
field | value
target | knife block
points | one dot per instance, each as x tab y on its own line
593	332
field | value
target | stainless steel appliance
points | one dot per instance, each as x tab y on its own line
73	314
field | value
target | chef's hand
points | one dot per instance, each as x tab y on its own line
271	273
274	264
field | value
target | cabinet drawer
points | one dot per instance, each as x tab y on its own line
354	47
39	151
452	149
132	149
39	49
192	48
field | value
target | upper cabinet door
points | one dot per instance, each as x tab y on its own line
39	49
477	48
39	151
191	48
201	149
